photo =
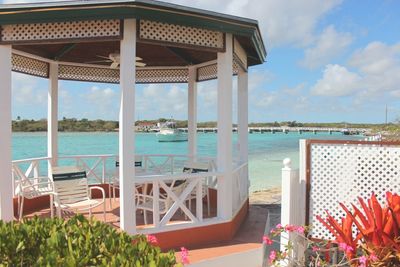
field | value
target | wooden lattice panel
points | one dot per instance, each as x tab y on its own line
342	172
162	75
240	54
209	72
30	66
183	35
89	74
75	30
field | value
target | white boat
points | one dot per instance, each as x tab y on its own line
169	133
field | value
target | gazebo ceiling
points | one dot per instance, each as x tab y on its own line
153	55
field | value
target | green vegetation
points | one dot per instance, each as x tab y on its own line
65	125
85	125
75	242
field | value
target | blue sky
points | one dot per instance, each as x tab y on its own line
328	61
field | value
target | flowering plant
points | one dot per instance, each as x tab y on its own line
318	252
375	243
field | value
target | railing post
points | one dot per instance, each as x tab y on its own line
156	203
289	202
199	199
104	171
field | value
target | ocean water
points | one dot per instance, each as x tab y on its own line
266	151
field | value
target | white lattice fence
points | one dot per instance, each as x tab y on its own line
340	172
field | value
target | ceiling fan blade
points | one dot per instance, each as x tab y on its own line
103	57
98	61
140	64
114	65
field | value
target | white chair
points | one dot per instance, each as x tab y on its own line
113	184
197	167
72	192
144	201
32	188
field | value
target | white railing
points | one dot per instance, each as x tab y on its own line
240	186
193	189
100	168
163	169
31	169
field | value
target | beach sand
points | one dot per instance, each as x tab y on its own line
266	196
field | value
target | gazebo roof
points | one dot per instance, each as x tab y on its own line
154	54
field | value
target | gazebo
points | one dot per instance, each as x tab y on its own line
170	44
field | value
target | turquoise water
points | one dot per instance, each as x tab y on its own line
266	151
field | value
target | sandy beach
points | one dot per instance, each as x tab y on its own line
266	196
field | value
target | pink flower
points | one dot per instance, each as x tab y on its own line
345	247
278	226
152	239
272	256
363	261
184	255
300	230
267	240
290	228
315	248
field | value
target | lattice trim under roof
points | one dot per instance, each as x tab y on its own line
342	172
88	74
30	66
60	31
183	35
209	72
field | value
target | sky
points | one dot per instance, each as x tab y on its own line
328	61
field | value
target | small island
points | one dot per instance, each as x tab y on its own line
389	131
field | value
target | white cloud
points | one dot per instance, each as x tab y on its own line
337	81
329	44
160	100
25	90
100	102
283	22
376	58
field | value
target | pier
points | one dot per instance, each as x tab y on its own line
300	130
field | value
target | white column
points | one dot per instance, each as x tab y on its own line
52	115
192	112
126	127
224	147
243	121
6	182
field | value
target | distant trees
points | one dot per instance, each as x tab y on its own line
65	125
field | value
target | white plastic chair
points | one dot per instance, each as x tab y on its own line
145	201
113	185
72	192
32	188
196	167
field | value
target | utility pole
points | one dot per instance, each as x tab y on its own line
386	115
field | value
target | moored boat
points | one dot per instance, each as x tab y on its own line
169	133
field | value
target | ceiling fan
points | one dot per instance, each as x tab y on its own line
115	59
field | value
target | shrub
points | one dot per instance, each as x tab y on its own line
75	242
